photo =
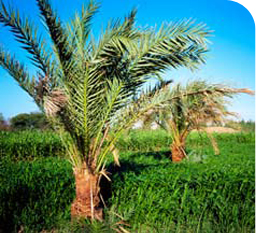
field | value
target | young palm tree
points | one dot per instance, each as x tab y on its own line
91	88
191	107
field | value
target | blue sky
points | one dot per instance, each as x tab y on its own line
231	58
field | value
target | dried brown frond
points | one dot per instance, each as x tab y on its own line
54	102
244	90
42	87
235	90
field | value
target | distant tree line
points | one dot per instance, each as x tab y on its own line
24	121
37	120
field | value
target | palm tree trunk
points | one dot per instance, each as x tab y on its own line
86	203
178	151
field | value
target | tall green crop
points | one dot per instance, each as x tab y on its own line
27	145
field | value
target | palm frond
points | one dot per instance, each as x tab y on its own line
79	29
27	34
58	35
116	40
174	45
17	71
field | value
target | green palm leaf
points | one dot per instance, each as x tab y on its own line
58	35
27	34
17	71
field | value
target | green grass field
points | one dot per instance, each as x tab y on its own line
148	193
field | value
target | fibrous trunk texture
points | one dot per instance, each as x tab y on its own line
86	203
178	152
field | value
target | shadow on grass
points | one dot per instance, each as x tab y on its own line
134	163
158	155
130	164
7	221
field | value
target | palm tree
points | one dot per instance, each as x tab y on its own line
92	88
191	107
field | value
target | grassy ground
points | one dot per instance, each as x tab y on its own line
207	193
